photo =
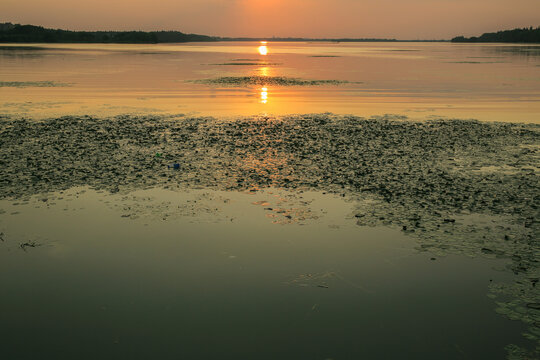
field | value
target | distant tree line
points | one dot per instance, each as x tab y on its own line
16	33
525	35
303	39
29	33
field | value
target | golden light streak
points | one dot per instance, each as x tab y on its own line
264	95
265	71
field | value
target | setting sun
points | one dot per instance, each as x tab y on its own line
263	50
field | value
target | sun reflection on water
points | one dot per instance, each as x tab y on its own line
265	72
264	95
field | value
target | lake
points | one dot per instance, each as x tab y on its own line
489	82
270	200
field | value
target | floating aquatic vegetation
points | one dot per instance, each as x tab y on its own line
476	62
266	80
517	353
11	243
320	280
324	280
287	210
16	47
24	84
200	206
32	105
29	244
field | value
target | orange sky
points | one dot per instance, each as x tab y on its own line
401	19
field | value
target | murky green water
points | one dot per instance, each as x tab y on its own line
220	279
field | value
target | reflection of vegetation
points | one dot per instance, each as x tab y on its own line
525	35
30	33
267	80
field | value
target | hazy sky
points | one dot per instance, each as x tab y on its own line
401	19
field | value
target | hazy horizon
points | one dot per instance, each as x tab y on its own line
406	19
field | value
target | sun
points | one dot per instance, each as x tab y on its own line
263	49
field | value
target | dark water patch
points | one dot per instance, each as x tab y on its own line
515	51
267	80
324	56
321	282
24	84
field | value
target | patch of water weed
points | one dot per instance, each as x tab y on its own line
24	84
324	280
475	62
9	243
29	244
455	186
266	80
515	352
15	48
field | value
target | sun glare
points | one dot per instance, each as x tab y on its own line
263	50
264	95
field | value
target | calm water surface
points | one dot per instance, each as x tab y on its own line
203	274
420	80
224	281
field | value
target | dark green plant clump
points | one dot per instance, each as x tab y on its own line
266	80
